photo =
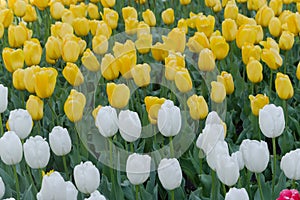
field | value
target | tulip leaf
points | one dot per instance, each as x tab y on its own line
286	141
280	185
28	194
144	193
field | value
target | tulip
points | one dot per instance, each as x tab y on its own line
229	29
29	77
61	30
6	17
57	10
138	168
30	14
258	102
41	4
249	50
255	154
292	21
210	3
167	167
272	58
153	105
141	74
108	3
270	44
2	188
17	35
283	86
159	51
144	43
173	63
245	34
109	67
169	119
45	81
219	47
275	26
238	157
231	11
107	121
254	71
69	2
237	194
242	20
18	79
103	29
197	107
79	10
13	59
227	81
100	44
227	170
96	196
74	105
1	30
206	61
70	50
286	194
93	11
11	151
198	42
298	71
131	26
87	177
60	141
111	17
149	17
168	16
264	15
118	95
185	2
276	6
218	151
32	51
67	17
183	80
205	24
286	40
129	12
289	164
182	25
89	60
19	8
81	26
34	106
73	74
255	4
20	122
3	98
218	92
53	47
129	125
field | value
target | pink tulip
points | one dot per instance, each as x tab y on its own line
289	195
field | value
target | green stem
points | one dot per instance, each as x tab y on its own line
65	165
131	147
171	147
293	184
213	187
285	109
259	185
248	180
271	83
274	163
285	61
32	181
224	189
137	192
111	161
172	195
17	182
1	124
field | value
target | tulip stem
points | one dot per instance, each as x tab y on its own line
293	184
131	147
172	194
274	163
137	192
224	189
31	179
1	124
271	82
171	147
65	166
285	109
213	185
260	187
17	182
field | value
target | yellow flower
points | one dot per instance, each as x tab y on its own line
95	111
129	12
61	30
205	24
276	6
183	80
32	51
185	2
13	59
111	17
173	63
90	61
110	67
258	102
100	44
272	58
286	40
144	43
45	81
249	50
175	41
254	70
218	92
20	8
153	105
30	14
1	30
227	80
131	25
141	74
93	11
18	79
210	3
229	29
159	51
68	2
70	50
142	29
245	34
141	1
182	25
34	106
108	3
198	42
219	47
283	86
29	77
118	95
231	11
40	4
67	17
168	16
6	17
197	106
17	35
206	61
57	10
255	4
3	4
275	27
293	23
74	106
149	17
270	43
264	15
79	10
81	26
53	47
242	20
73	74
103	29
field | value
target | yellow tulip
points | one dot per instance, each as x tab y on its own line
118	95
255	4
198	42
34	106
218	6
67	17
264	15
29	77
73	74
218	92
175	41
249	50
210	3
68	2
283	86
173	63
32	51
229	29
185	2
108	3
3	4
141	1
298	71
1	30
258	102
129	12
103	29
245	34
293	23
254	70
182	25
183	80
159	51
19	8
284	16
242	20
110	67
143	29
70	50
30	14
45	81
40	4
143	43
100	44
141	74
81	26
275	27
93	11
57	10
205	24
153	105
270	43
74	106
168	16
79	10
287	1
286	40
131	25
6	17
219	47
53	47
18	79
149	17
206	61
13	59
90	61
298	6
197	106
111	17
95	111
17	35
272	58
61	30
276	6
231	11
227	80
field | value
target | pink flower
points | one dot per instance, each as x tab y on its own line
289	195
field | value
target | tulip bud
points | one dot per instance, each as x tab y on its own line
32	51
182	25
149	17
89	60
276	6
175	41
289	164
275	26
101	28
198	42
141	74
107	121
1	30
19	8
111	17
185	2
144	43
206	61
2	188
131	26
34	106
109	67
20	122
138	168
173	63
99	44
258	102
231	11
219	47
255	4
74	105
81	26
73	74
41	4
227	80
286	40
236	194
13	59
245	34
93	11
298	71
57	10
183	80
108	3
45	81
60	141
3	98
79	10
229	29
227	170
254	71
67	17
210	3
30	14
293	21
205	24
11	151
167	167
87	177
272	58
129	12
6	17
53	47
129	125
264	15
29	77
70	50
197	106
283	86
118	95
218	92
249	50
168	16
96	196
153	105
18	79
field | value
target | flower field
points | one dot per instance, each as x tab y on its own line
149	99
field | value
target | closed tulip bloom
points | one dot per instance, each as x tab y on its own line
227	80
79	10
238	156
41	4
289	164
197	106
109	67
258	102
205	24
73	74
168	16
108	3
29	77
102	28
19	8
107	121
2	188
67	17
256	155
198	42
13	59
131	25
255	4
271	120
185	2
81	26
96	196
153	105
231	11
138	168
74	105
175	41
167	167
93	11
111	17
87	177
129	125
219	47
206	61
264	15
286	40
183	80
141	74
293	21
3	98
276	6
242	20
60	141
53	47
245	34
70	50
61	30
248	51
298	71
229	29
89	60
32	51
182	25
272	58
218	92
159	51
20	122
149	17
218	150
210	3
11	151
283	86
144	43
254	71
57	10
275	26
18	79
237	194
34	106
45	81
30	14
6	17
129	12
118	95
99	44
1	30
227	170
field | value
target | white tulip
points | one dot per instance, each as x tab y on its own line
60	141
290	164
169	173
87	177
227	170
2	188
11	150
20	121
237	194
129	125
220	150
107	121
10	198
255	155
71	191
213	118
3	98
36	152
169	119
138	168
238	156
96	196
271	120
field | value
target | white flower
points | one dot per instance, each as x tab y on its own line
169	173
3	98
2	188
20	122
129	125
238	156
96	196
138	168
11	150
290	164
220	150
237	194
227	170
107	121
60	141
